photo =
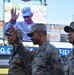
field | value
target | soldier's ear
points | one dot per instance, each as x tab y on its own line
39	32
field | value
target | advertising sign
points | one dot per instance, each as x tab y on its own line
64	51
5	50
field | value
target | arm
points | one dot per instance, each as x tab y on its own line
23	52
11	23
57	62
66	66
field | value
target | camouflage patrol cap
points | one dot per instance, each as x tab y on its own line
37	26
68	28
20	33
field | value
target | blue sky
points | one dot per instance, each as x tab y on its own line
60	11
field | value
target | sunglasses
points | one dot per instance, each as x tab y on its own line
26	16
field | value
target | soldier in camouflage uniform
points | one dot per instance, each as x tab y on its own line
46	60
69	59
16	63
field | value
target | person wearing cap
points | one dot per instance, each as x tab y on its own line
46	60
24	25
69	59
17	65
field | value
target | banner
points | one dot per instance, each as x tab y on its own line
5	50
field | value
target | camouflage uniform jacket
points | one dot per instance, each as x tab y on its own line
46	60
69	64
17	64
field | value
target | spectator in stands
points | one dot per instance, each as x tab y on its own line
69	59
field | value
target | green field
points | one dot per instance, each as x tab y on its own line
3	71
3	74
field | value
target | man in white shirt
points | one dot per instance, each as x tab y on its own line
25	25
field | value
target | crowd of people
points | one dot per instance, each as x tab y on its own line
46	60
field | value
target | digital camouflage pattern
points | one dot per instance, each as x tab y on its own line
69	64
18	65
46	60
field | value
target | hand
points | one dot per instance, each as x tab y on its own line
14	16
13	33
